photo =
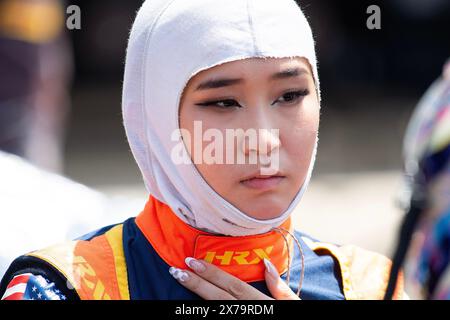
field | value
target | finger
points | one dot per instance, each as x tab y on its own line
277	287
198	285
234	286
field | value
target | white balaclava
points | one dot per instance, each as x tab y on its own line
170	42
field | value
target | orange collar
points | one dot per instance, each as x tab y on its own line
174	240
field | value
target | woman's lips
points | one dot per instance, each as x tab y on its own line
263	183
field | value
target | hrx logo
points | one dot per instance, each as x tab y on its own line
239	257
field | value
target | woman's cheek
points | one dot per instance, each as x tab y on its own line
220	177
299	141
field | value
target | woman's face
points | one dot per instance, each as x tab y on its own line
246	96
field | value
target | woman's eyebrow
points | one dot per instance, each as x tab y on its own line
217	83
289	73
225	82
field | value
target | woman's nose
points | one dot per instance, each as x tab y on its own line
264	136
269	140
263	142
264	151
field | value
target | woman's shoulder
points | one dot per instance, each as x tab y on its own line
29	278
348	252
71	262
365	273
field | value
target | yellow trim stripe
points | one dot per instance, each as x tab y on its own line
114	237
343	261
61	257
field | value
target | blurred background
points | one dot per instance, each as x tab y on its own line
60	95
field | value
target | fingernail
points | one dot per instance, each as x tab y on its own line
195	264
179	274
183	276
270	268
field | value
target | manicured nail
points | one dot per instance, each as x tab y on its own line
178	274
183	276
195	264
270	268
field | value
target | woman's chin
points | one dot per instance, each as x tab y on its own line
265	212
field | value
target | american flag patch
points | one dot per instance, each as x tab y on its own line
28	286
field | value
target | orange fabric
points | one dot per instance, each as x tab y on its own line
365	274
369	274
174	240
97	268
89	267
94	264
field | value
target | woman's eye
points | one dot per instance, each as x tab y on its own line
293	96
223	104
287	98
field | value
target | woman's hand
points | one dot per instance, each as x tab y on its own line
211	283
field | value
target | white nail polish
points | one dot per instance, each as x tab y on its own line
194	264
183	276
188	261
174	272
178	274
270	267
